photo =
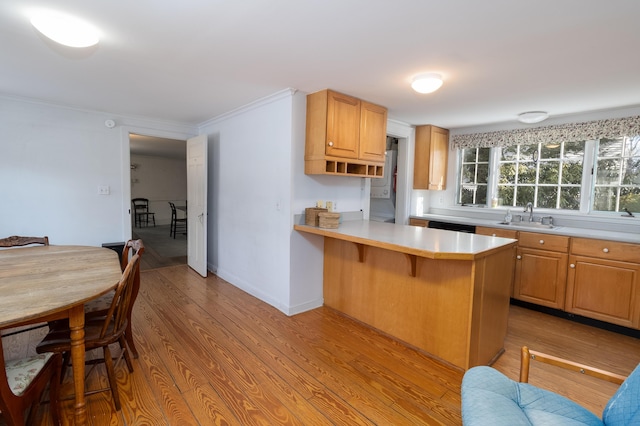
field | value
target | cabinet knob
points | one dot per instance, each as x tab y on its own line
572	266
606	250
330	143
541	241
518	257
493	235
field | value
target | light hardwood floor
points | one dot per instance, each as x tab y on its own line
212	354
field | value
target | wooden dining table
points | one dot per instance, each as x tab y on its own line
44	283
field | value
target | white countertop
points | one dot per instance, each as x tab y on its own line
629	237
424	242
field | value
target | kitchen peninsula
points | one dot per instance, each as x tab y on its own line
444	292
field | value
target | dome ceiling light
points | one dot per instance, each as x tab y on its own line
427	83
533	117
65	29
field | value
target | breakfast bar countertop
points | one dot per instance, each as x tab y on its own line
419	241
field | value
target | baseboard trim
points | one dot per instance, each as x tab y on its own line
579	319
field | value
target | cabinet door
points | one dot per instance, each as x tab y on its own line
373	132
439	159
430	158
540	277
343	125
605	290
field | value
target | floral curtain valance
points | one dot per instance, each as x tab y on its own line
598	129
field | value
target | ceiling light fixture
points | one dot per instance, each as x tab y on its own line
65	29
427	83
533	117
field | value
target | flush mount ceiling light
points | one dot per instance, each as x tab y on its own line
427	83
65	29
533	117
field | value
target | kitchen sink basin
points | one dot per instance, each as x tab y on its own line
533	225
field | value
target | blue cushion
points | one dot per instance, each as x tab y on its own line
623	409
489	398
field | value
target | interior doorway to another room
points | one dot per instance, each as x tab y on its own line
159	174
383	191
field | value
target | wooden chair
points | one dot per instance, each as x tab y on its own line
100	332
15	241
99	307
22	383
176	222
141	213
527	355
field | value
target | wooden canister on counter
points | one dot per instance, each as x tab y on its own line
311	215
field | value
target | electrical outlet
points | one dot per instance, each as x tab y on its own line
335	206
104	190
330	206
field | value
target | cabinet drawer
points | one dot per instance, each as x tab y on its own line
497	232
557	243
601	249
418	222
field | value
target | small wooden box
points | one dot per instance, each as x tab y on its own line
329	220
311	215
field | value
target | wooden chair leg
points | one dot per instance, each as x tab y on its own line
125	353
54	391
111	374
129	337
66	357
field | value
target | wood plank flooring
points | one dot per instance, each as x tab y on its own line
211	354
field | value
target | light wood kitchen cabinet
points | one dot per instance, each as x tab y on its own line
430	158
344	136
373	132
603	281
541	269
502	233
418	222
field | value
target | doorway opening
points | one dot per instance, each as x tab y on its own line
159	175
382	207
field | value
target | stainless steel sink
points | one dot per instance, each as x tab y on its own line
534	225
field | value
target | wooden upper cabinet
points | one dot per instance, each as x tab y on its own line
343	125
373	132
431	156
344	135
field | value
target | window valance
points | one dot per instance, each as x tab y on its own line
597	129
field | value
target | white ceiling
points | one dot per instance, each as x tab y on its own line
189	61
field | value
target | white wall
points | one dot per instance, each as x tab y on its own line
52	161
256	187
250	197
160	180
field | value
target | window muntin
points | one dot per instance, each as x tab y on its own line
553	175
547	175
474	176
617	175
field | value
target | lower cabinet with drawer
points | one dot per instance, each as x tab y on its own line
603	281
541	269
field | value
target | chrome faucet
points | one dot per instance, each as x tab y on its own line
529	208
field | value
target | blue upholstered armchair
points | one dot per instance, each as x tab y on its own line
489	398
